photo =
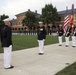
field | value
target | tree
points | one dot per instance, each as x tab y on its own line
2	17
30	19
49	14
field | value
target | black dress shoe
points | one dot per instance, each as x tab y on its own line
73	46
60	45
66	45
41	53
10	67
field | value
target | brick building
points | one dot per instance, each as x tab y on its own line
17	23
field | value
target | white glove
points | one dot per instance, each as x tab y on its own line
43	39
37	40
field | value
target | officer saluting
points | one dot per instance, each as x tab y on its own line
73	35
67	35
41	35
60	34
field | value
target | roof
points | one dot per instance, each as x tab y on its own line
64	11
23	13
13	20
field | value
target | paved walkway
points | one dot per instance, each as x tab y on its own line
28	62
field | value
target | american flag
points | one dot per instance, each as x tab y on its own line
72	15
66	20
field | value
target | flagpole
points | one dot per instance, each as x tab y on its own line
72	15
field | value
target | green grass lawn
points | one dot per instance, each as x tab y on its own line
29	41
70	70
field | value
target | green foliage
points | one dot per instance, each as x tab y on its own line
49	14
4	17
1	24
30	19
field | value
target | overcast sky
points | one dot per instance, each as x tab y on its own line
13	7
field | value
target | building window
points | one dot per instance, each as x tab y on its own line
22	28
15	28
59	18
19	23
18	28
12	28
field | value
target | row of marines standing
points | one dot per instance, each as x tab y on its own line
71	31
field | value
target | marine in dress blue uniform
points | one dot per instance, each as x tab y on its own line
73	35
41	36
67	35
6	41
60	34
